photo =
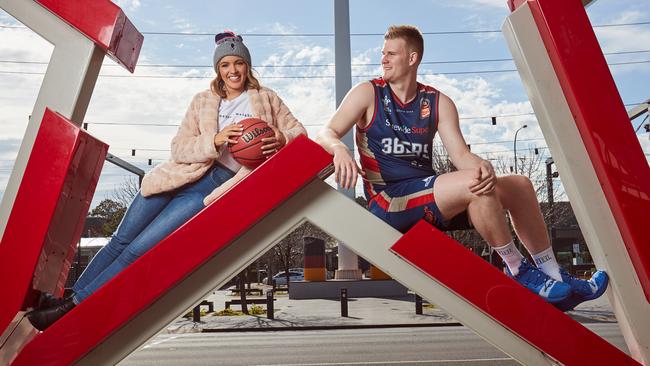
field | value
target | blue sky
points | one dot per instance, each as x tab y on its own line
283	63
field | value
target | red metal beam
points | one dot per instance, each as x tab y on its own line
48	215
177	256
602	121
509	303
104	23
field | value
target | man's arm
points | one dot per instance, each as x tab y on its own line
459	154
353	109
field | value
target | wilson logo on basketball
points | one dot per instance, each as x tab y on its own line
247	150
251	135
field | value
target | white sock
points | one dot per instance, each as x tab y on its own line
510	254
546	262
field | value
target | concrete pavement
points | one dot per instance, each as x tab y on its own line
362	312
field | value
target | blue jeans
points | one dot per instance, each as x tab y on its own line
146	222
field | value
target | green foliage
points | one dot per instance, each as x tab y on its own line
253	310
112	213
256	310
190	313
228	312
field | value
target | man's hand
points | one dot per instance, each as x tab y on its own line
484	179
346	169
271	145
228	134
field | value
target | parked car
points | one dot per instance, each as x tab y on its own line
280	278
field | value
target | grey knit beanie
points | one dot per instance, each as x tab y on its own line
229	44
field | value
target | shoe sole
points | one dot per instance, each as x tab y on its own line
600	291
574	301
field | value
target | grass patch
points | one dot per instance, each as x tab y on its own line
228	312
252	310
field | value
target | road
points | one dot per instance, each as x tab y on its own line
394	346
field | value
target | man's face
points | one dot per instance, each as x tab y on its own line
394	58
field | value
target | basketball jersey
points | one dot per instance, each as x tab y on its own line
232	111
397	144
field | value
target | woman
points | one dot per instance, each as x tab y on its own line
200	163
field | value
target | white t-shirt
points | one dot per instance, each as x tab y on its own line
232	111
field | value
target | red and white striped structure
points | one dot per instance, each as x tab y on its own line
191	261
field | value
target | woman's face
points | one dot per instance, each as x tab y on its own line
233	71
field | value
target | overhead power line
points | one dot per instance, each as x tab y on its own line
444	32
306	76
499	116
439	62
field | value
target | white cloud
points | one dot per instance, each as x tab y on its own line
476	97
183	25
128	5
18	92
472	4
314	54
626	38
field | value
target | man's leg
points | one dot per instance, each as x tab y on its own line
452	196
517	195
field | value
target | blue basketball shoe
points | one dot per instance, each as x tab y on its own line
540	283
583	290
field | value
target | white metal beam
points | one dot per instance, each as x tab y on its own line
579	179
67	86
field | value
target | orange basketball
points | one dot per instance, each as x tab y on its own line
248	148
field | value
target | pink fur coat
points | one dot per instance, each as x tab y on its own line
193	151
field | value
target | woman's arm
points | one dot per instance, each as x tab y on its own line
190	145
286	126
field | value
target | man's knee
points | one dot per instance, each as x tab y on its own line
515	182
523	182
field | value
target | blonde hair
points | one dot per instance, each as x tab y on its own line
410	34
218	86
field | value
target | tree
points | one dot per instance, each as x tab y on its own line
126	191
111	212
289	251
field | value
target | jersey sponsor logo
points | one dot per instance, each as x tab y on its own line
407	130
425	108
403	129
395	147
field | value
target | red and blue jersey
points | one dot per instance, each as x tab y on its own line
397	144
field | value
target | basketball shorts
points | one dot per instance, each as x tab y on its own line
402	205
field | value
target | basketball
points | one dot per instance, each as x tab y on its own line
248	148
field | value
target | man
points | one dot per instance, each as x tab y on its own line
396	119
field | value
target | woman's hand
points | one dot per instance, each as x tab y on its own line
271	145
484	179
227	134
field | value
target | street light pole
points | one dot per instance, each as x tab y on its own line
549	189
515	146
